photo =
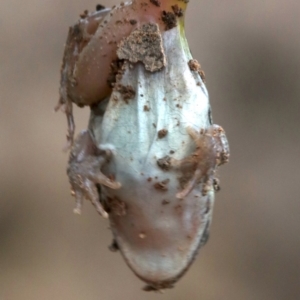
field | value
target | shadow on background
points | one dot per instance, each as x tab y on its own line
250	52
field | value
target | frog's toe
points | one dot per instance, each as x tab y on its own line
100	178
79	199
190	185
93	196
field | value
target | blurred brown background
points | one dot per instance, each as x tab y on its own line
250	51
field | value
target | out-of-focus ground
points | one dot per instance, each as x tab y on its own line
250	51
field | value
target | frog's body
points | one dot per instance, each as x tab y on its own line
156	128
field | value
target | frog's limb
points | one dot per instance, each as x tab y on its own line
212	150
85	162
67	108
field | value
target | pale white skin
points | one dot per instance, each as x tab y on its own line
159	217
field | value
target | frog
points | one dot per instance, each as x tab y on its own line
148	160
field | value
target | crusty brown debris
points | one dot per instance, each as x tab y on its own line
162	186
145	45
165	163
155	2
116	206
177	10
162	133
196	67
127	91
169	19
116	72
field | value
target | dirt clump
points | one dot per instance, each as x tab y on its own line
162	185
177	10
165	163
169	19
162	133
196	67
126	91
144	45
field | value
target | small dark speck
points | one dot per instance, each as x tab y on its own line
162	133
146	108
132	22
99	7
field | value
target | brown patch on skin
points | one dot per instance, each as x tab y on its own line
116	72
169	19
156	2
178	209
126	91
132	22
196	67
165	202
162	133
116	206
144	45
177	10
162	185
165	163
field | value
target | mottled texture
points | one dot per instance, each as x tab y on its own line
168	208
144	45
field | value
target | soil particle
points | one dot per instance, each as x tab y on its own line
169	19
146	108
117	206
177	10
179	209
162	133
116	72
144	45
126	91
155	2
132	22
165	163
196	67
162	185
